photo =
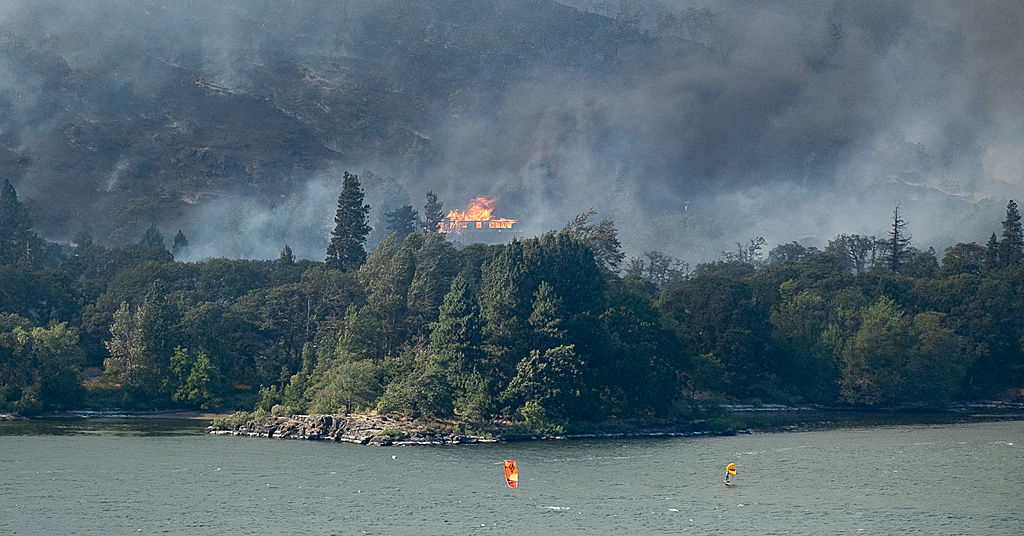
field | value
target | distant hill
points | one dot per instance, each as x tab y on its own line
145	128
742	119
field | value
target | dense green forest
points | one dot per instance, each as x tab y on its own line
543	331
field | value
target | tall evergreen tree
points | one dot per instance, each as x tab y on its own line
180	243
402	222
432	213
287	257
437	264
153	239
346	251
387	276
992	254
1011	248
897	245
16	235
455	338
548	318
506	290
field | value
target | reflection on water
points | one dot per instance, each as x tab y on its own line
806	420
117	426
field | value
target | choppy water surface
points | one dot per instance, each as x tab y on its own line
944	479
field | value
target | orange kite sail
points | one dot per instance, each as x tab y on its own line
511	474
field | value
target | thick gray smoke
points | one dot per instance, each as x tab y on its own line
792	121
726	121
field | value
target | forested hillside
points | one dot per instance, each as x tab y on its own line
546	331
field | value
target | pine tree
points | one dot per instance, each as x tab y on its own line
455	338
1011	248
402	222
896	246
455	350
152	239
547	318
437	264
287	257
180	243
16	234
432	213
992	254
346	251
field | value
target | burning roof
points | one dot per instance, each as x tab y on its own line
476	217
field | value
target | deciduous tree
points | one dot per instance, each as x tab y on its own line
856	253
602	239
963	258
875	360
198	379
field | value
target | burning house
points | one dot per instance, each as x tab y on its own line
476	219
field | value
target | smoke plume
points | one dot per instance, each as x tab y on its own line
706	125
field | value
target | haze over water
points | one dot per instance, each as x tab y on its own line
948	479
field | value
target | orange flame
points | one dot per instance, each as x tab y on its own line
479	211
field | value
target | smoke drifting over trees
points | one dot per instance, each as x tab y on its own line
691	126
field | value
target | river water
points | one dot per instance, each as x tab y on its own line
160	479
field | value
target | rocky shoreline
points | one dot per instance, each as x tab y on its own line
359	429
383	430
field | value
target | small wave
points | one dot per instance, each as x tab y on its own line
557	508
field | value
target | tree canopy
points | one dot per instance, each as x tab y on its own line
545	332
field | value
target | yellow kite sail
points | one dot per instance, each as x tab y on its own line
511	474
731	469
